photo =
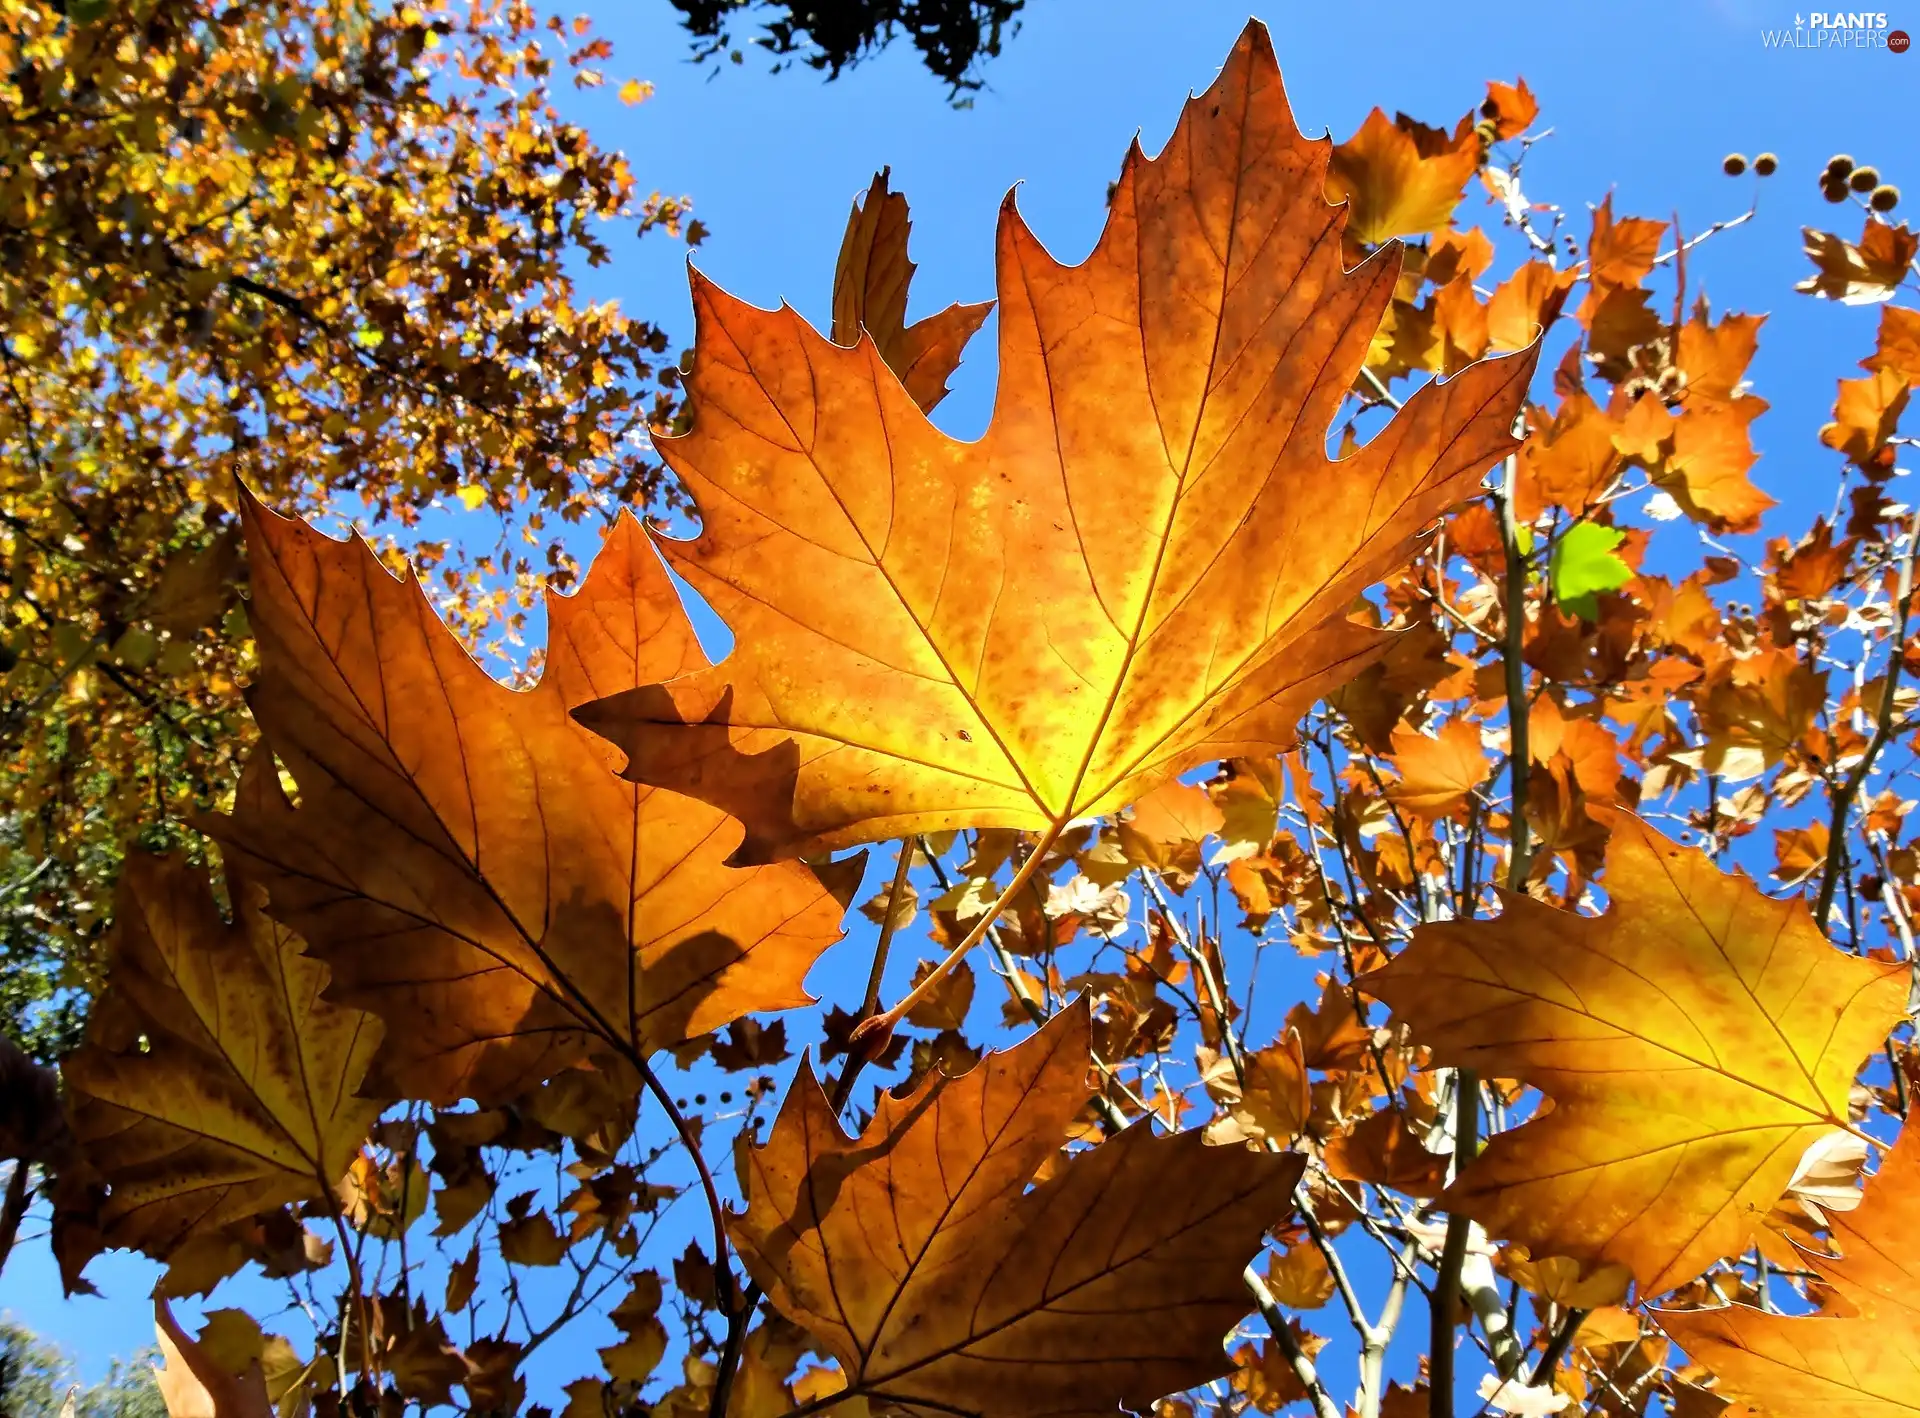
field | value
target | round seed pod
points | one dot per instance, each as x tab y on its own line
1864	179
1733	164
1765	164
1885	197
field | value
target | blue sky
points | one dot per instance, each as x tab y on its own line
1645	99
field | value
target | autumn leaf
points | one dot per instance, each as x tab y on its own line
946	1005
644	1341
1438	771
531	1240
215	1083
1275	1101
1384	1150
1865	416
1695	1039
1898	345
193	1385
1620	252
461	854
1565	1283
1572	463
1511	107
1707	469
1703	454
1860	1365
1755	710
1144	564
870	284
1862	272
1267	1376
1394	189
1525	304
1165	829
922	1262
1300	1278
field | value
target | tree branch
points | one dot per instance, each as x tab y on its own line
1323	1404
1466	1083
1373	1349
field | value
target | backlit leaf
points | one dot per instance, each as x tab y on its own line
1695	1039
461	855
1865	1365
1583	564
918	1257
215	1082
1145	563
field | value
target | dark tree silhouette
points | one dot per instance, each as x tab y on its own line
954	37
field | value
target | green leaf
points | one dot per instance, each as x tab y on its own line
1583	565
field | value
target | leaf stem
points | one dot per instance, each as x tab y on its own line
877	1029
729	1297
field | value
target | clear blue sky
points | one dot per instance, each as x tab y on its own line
1644	99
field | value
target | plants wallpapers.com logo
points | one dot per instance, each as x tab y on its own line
1838	30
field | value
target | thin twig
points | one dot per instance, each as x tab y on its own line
870	1005
1882	731
355	1299
1519	757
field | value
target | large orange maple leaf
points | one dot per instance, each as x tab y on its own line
1860	1365
1695	1040
215	1082
1145	563
461	854
944	1283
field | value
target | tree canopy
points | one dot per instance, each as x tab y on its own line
324	249
1363	817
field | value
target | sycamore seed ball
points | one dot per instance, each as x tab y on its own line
1864	179
1885	197
1839	165
1764	165
1833	190
1733	164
